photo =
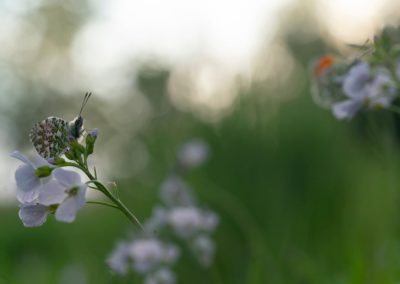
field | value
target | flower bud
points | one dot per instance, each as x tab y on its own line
59	161
91	139
75	151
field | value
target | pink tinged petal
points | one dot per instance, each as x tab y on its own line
355	82
346	109
67	210
67	178
33	215
27	184
38	161
19	156
80	198
51	193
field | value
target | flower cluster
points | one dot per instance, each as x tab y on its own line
148	256
367	84
179	217
43	189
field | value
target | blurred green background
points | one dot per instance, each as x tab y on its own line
302	197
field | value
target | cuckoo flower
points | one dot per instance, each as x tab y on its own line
33	215
193	153
30	176
188	221
364	90
119	258
64	195
73	194
148	254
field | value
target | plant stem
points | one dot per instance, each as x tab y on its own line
118	203
103	203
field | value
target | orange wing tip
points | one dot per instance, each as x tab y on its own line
323	64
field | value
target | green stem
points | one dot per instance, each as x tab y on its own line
118	203
103	203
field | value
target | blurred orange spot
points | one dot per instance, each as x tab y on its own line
323	63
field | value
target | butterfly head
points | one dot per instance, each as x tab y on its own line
76	127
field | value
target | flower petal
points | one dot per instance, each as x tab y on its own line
67	210
38	161
51	193
18	155
346	109
355	83
33	215
80	198
27	184
67	178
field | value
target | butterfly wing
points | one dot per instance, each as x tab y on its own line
50	137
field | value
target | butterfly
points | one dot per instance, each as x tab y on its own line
51	136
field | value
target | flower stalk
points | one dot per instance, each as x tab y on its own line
116	202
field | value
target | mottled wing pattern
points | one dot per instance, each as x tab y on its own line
50	137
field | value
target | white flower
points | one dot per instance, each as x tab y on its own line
188	221
119	258
27	180
33	215
364	91
156	221
356	81
174	192
161	276
203	248
193	153
148	254
64	195
381	91
74	194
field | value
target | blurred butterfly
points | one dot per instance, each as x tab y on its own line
51	136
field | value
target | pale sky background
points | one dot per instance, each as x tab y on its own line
186	32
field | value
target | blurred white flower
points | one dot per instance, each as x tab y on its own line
161	276
193	153
356	81
119	258
364	91
203	248
33	215
188	221
27	180
175	192
75	192
148	254
156	221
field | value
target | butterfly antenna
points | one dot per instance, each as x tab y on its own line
85	100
